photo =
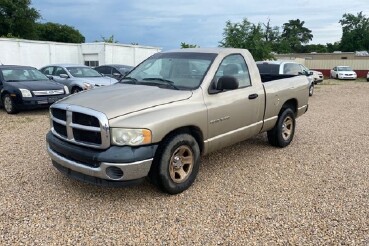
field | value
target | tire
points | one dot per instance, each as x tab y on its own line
9	105
311	89
336	76
176	163
76	90
282	133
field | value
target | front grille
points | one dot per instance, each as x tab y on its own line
48	93
80	125
84	119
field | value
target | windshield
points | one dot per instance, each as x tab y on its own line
22	74
344	68
83	72
180	70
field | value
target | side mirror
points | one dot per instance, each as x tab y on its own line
64	76
227	83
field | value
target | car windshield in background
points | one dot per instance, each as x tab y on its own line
83	72
344	69
22	74
269	68
173	70
124	69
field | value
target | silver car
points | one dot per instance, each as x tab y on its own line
76	77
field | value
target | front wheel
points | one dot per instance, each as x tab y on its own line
282	133
76	90
176	163
9	105
311	89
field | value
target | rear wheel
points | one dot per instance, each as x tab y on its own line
9	104
282	133
176	164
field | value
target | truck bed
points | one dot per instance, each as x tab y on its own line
267	77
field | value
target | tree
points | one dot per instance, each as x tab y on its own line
108	40
355	30
296	34
59	33
247	36
185	45
18	19
333	47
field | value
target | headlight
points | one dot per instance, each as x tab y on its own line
25	93
133	137
87	86
66	90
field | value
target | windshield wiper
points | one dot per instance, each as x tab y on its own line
166	82
13	80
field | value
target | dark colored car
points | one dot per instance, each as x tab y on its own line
24	87
114	70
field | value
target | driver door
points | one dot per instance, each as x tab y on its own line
234	115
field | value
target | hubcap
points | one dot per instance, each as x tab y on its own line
287	128
8	104
181	164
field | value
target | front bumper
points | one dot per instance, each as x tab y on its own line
115	164
38	102
345	76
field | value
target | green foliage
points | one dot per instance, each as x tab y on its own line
108	40
355	32
296	34
18	19
59	33
185	45
247	36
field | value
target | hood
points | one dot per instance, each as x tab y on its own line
98	80
122	99
42	85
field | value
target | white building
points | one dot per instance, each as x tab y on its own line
42	53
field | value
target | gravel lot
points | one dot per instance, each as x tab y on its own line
316	191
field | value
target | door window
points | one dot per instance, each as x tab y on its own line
59	70
234	65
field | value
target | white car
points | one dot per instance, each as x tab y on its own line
317	76
343	72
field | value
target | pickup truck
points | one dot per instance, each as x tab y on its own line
167	112
287	67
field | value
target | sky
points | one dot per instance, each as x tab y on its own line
168	23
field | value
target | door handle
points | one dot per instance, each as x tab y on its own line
253	96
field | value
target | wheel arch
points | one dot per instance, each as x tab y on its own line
194	131
291	103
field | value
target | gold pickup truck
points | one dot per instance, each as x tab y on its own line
169	111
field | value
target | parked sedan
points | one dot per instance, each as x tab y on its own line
114	70
25	87
77	77
343	72
317	76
